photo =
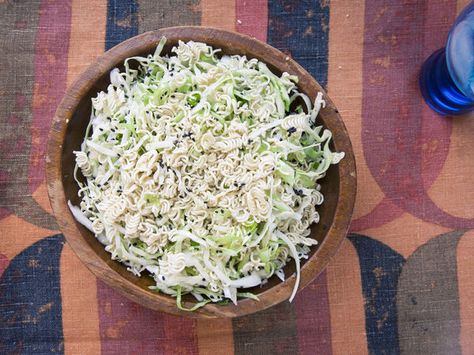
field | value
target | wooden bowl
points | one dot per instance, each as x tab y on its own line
68	130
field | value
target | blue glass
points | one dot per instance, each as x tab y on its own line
447	76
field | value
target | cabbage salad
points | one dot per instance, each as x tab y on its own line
203	171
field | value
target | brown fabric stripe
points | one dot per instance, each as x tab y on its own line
465	263
219	14
153	15
17	42
428	299
215	336
272	331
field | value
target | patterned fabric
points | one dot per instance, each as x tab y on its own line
401	282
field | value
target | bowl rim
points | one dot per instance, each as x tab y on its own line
335	233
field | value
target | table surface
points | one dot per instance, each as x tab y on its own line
401	281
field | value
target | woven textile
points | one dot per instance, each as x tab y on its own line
403	280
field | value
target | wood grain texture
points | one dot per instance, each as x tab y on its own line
67	133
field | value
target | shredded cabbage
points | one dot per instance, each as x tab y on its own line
203	170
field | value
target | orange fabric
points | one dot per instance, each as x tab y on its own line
346	303
218	14
79	306
85	45
17	235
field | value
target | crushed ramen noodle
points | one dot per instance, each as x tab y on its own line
203	170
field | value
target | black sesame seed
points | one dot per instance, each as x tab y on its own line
203	279
291	130
298	192
126	96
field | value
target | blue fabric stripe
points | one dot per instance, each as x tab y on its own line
380	268
301	29
30	300
122	21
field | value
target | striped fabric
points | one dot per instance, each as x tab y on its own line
401	282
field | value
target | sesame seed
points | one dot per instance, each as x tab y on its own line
291	130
